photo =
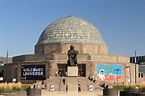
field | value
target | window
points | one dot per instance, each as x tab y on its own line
140	75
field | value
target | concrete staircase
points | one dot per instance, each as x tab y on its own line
83	81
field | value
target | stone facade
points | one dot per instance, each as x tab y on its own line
52	61
63	48
53	44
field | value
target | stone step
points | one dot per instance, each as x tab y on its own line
59	86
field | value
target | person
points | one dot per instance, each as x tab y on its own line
128	80
34	86
79	87
94	80
66	73
89	77
59	74
66	88
45	85
56	73
72	56
37	87
63	81
29	87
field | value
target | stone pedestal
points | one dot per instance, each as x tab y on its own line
72	71
72	83
72	80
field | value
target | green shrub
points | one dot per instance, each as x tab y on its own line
131	88
119	87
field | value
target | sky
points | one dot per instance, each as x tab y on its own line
121	23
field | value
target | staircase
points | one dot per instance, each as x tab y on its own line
83	81
59	86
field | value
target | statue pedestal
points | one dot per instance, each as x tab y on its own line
72	83
72	80
72	71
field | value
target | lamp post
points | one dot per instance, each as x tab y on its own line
16	73
135	66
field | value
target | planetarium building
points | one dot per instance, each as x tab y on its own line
50	56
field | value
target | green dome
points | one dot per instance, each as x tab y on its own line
71	30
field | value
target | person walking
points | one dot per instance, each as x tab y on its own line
79	87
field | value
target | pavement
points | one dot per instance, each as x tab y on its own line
63	93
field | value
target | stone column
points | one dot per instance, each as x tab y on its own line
53	68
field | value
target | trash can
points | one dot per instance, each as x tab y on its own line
33	92
110	92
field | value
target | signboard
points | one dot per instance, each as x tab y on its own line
109	71
90	88
1	78
33	72
52	88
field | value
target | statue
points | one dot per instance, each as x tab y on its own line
72	56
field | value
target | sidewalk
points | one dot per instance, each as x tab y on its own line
62	93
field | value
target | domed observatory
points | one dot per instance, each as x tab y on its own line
51	55
59	35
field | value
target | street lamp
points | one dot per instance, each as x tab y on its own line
135	66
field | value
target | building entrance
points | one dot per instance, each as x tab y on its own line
82	70
62	70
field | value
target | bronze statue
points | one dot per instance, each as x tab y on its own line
72	56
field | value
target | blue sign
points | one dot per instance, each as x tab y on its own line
109	71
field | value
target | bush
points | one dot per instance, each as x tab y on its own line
127	87
119	87
12	87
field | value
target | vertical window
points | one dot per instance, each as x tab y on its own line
141	75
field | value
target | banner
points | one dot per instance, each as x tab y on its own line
109	71
32	72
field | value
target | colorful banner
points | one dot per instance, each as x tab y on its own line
109	71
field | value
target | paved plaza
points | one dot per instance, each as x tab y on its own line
63	93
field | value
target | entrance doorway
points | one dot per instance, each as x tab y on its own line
82	70
62	69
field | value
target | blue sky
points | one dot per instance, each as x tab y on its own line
121	23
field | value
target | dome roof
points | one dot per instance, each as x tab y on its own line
71	30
